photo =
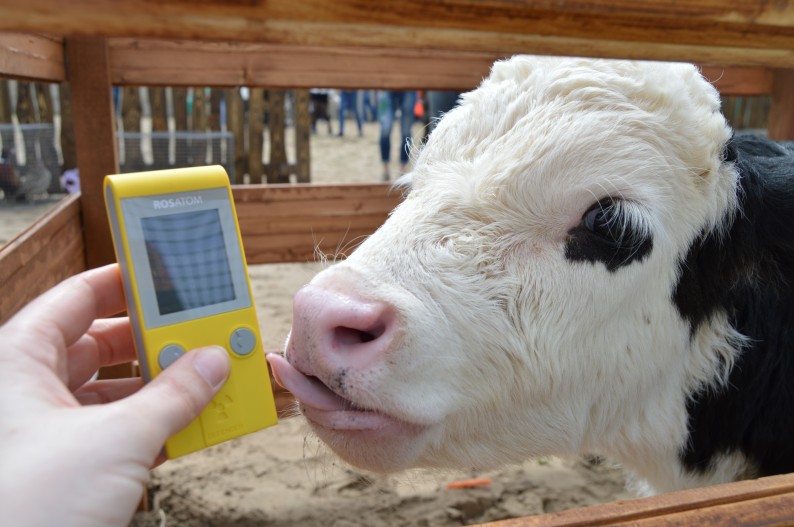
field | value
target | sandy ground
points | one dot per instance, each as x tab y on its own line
282	476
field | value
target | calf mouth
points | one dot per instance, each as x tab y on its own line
325	408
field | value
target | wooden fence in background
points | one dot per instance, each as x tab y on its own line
263	115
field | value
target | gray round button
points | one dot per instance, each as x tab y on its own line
169	354
242	341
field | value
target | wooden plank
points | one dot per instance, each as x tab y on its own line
739	80
138	62
303	123
771	510
95	140
17	252
303	247
214	123
781	114
281	193
265	224
295	223
199	123
5	102
131	122
32	56
231	64
255	138
752	32
159	123
277	169
317	208
666	506
180	121
43	254
303	241
63	256
234	109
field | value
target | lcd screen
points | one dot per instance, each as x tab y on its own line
187	255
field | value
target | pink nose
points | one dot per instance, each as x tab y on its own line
335	330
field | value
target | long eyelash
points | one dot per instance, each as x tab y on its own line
622	224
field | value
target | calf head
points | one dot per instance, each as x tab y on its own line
523	299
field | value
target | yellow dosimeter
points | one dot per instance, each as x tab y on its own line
186	282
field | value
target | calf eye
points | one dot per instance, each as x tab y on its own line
602	219
607	234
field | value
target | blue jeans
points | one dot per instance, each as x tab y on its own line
389	103
349	101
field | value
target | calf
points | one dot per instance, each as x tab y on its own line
586	262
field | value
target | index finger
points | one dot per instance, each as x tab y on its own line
64	313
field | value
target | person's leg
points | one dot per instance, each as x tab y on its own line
314	110
386	117
356	113
370	110
406	120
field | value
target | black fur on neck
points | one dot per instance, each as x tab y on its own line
748	274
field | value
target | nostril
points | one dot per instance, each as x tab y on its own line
350	336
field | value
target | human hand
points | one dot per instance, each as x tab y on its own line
67	458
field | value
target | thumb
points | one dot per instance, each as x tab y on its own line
179	394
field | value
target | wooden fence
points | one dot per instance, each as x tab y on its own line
404	44
167	112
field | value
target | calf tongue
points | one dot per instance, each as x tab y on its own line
308	390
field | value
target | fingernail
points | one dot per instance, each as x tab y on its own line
212	364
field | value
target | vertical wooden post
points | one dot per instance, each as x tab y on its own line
5	102
131	117
198	149
255	108
303	123
159	124
781	114
277	170
235	117
180	121
24	103
214	123
44	102
94	136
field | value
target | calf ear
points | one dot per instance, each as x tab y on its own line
729	151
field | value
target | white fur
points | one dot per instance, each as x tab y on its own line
510	350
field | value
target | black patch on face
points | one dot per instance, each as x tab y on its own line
606	236
748	274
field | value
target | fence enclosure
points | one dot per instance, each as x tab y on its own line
399	45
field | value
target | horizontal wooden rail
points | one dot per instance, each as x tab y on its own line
298	223
765	501
752	32
30	56
45	253
196	63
